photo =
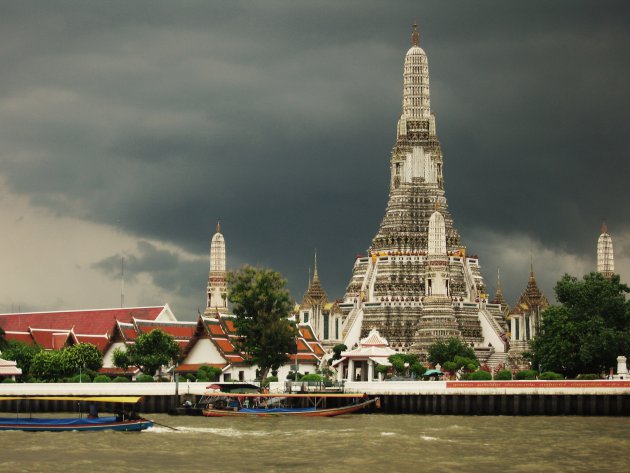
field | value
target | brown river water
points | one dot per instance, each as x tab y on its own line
366	443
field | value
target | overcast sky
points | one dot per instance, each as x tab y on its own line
130	128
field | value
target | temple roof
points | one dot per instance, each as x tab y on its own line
94	321
55	330
531	298
373	339
9	368
373	347
315	294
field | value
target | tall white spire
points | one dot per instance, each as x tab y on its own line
605	257
416	97
217	285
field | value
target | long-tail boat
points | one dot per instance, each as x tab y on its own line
292	405
126	419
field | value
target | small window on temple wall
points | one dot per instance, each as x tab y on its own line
241	375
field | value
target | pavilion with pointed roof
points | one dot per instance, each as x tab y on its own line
325	317
525	318
359	363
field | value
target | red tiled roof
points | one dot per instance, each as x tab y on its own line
317	348
215	328
189	367
99	341
96	321
51	339
228	323
225	345
302	346
222	333
60	340
307	332
178	330
235	358
24	337
305	357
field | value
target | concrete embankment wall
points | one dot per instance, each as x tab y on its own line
507	404
593	398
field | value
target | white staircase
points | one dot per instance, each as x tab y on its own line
496	359
470	282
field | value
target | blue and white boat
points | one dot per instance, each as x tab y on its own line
122	422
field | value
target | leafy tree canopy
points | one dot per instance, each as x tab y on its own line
208	373
337	350
588	329
82	355
405	364
446	350
21	353
48	365
3	341
261	304
57	364
150	352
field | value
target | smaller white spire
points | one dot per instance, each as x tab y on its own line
605	255
217	286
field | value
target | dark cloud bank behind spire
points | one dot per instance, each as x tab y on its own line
156	119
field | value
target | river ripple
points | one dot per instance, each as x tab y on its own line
354	443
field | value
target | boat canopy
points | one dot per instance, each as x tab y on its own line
284	395
115	399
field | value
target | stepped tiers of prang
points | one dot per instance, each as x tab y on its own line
417	285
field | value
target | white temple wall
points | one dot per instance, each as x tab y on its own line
166	315
108	356
204	351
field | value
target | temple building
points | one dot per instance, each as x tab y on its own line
217	284
605	257
525	320
324	316
359	364
417	284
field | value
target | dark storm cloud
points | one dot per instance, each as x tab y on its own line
160	118
166	269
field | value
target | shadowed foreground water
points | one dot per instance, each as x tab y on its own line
362	443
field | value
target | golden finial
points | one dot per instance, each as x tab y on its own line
415	35
218	226
604	227
315	276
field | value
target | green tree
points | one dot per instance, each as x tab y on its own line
261	304
21	353
3	341
120	359
446	350
208	373
587	330
150	352
48	365
337	350
81	357
405	364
